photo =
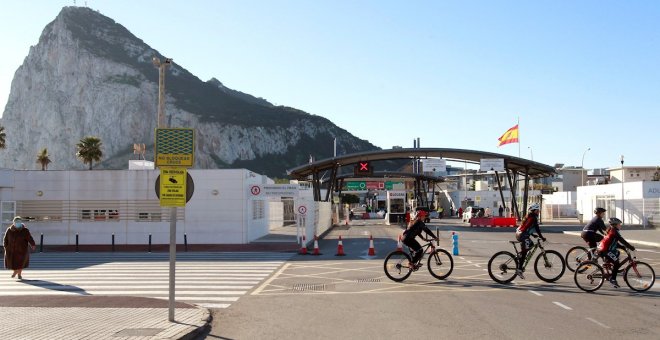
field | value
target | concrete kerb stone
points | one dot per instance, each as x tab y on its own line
189	335
637	242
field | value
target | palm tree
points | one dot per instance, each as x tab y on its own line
2	137
43	159
89	150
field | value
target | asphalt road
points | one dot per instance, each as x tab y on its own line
330	297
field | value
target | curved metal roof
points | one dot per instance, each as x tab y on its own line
394	174
516	164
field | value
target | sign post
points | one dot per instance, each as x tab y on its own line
174	153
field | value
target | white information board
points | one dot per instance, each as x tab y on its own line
434	165
492	164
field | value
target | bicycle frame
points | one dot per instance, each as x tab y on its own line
424	249
530	253
607	266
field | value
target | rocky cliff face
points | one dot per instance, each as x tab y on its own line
90	76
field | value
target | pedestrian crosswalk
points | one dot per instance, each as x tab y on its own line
213	280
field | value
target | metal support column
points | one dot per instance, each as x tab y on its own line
526	192
514	204
331	182
499	186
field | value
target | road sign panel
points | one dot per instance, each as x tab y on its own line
173	187
175	147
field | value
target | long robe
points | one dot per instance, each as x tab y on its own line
17	255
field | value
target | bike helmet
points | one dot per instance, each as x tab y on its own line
421	213
614	220
599	210
534	206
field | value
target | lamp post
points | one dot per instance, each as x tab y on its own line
582	166
161	87
623	202
531	152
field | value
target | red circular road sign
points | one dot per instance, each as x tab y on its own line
255	190
302	210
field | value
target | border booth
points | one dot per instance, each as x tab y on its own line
396	206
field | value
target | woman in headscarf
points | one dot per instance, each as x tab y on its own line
16	241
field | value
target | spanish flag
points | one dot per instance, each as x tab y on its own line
510	136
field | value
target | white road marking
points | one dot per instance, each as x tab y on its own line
270	279
535	293
598	323
562	305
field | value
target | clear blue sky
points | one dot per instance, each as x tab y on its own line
457	74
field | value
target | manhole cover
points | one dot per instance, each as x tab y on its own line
367	280
139	332
309	287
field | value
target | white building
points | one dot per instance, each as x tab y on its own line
636	203
224	208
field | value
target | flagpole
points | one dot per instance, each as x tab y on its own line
518	124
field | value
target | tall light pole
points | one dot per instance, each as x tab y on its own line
582	167
161	88
160	124
531	152
623	202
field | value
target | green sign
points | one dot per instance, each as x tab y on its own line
356	186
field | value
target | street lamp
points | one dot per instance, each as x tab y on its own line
531	152
623	202
582	166
161	87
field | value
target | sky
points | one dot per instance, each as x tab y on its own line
582	78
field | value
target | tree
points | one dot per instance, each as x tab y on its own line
43	159
89	150
2	137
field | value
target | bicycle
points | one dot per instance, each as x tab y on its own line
639	276
398	263
502	266
577	255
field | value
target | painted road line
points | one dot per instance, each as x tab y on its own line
213	305
270	279
535	293
599	323
562	305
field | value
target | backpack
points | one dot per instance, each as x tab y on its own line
524	227
608	241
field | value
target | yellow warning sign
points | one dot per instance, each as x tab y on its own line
173	187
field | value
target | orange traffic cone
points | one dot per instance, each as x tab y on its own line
372	251
303	247
399	246
340	248
316	246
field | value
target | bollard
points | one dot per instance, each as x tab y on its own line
113	242
149	243
454	238
185	242
41	243
76	243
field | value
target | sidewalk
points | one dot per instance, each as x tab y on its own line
644	237
97	317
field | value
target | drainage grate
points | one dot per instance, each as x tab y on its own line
139	332
367	280
309	287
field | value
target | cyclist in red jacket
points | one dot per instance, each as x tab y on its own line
610	245
523	233
415	228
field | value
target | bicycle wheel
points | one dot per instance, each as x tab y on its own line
549	266
440	264
640	277
502	267
588	276
397	266
575	256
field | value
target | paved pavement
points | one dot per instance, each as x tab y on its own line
124	295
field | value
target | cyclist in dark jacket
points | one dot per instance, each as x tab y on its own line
590	233
523	233
609	248
415	228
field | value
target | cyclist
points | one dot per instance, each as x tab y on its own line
590	233
610	245
523	233
415	228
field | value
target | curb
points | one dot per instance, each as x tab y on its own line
641	243
192	334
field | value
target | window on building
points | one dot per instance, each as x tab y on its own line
85	214
100	215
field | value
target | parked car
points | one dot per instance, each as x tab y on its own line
471	212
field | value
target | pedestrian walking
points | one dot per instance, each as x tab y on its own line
16	241
501	210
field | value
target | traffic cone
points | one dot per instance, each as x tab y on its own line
372	251
340	248
399	246
303	247
316	246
